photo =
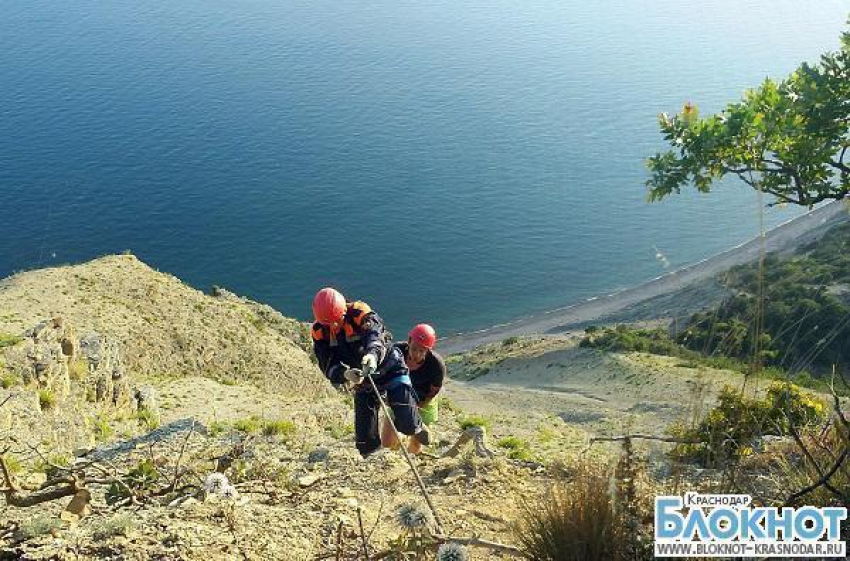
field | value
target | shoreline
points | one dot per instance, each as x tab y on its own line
785	236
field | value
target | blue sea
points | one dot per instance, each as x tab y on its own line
459	162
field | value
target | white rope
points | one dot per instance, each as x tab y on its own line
368	374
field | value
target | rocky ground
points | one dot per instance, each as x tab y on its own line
295	488
128	373
149	386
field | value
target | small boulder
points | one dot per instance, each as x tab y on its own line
308	480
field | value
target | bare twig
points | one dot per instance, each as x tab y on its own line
117	481
626	437
824	477
836	402
180	457
363	534
339	541
70	486
823	481
44	458
478	542
39	497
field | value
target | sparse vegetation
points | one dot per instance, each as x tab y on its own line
340	430
40	525
102	429
217	428
9	340
78	369
148	419
46	399
119	525
447	404
52	465
140	480
475	421
280	428
546	434
13	464
623	338
731	429
248	425
7	380
517	448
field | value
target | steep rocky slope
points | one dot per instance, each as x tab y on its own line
162	326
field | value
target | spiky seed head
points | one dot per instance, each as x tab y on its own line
229	492
451	551
413	517
215	482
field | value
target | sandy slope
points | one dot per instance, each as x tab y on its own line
538	383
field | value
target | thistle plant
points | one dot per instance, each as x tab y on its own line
412	517
229	493
451	551
215	483
417	524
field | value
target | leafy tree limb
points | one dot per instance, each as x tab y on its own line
787	138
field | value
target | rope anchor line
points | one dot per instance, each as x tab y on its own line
368	374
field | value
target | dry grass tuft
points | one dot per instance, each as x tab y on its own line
582	519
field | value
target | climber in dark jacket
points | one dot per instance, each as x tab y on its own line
348	338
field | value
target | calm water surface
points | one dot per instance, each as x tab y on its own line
457	162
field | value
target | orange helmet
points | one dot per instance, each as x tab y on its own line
329	306
424	334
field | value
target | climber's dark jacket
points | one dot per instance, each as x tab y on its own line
362	332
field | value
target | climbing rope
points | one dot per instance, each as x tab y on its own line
368	374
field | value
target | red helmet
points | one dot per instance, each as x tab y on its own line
424	334
329	306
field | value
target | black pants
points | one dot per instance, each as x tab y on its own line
400	399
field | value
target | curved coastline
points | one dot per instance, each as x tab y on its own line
787	235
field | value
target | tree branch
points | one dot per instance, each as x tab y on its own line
70	487
824	477
478	542
626	437
823	481
180	457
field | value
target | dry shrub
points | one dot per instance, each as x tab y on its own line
583	518
794	469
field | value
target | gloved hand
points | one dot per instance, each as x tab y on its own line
354	375
370	363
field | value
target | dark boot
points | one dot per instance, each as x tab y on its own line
423	436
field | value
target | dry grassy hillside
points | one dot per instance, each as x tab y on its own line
161	325
236	396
